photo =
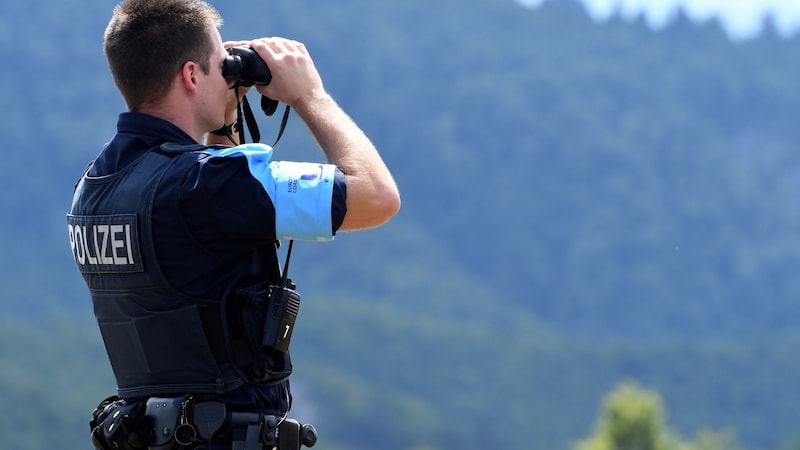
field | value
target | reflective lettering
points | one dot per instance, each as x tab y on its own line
71	233
102	230
91	259
128	242
76	240
117	244
104	243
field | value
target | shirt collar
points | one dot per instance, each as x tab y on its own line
136	134
146	125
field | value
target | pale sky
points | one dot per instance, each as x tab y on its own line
742	18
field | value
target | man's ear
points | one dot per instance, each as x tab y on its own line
189	76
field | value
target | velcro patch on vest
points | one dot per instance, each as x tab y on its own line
105	244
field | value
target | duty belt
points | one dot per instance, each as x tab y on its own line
182	421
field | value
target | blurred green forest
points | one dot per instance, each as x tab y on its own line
583	203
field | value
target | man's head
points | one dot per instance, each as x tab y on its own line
147	42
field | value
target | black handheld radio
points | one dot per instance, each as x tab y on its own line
284	305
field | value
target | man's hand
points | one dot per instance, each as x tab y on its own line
294	77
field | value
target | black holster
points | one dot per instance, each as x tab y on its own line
119	425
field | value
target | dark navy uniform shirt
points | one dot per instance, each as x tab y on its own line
226	204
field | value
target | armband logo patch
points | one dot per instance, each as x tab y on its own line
305	173
105	244
314	175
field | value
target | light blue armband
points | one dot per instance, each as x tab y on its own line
301	192
303	200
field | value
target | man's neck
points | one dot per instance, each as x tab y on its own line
174	115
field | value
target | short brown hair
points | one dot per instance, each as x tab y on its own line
148	41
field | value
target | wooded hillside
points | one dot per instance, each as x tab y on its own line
583	203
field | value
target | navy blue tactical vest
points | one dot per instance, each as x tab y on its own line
159	341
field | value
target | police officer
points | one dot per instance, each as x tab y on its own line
176	240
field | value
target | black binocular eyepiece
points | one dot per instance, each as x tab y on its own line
246	67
